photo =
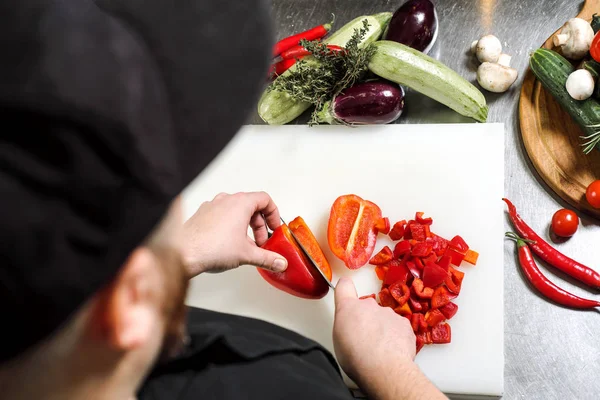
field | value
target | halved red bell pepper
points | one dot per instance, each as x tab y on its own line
434	275
383	225
386	299
454	280
369	296
434	317
397	231
418	323
423	221
421	250
417	231
308	240
383	257
449	310
441	334
403	310
397	272
402	248
351	231
300	278
440	297
421	290
471	257
459	244
400	292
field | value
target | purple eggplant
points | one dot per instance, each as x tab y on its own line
414	24
373	102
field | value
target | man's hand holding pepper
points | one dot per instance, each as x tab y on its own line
216	236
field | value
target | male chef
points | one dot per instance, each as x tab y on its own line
110	109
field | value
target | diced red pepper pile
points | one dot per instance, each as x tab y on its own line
419	278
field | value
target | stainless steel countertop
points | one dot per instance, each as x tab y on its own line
551	352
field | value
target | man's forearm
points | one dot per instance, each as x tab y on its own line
401	381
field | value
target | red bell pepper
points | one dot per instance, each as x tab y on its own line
413	269
444	262
449	310
423	221
440	297
419	263
417	231
418	323
386	299
421	290
401	248
381	271
414	304
430	259
459	244
369	296
383	257
434	275
454	280
308	240
456	258
397	231
403	310
300	278
439	244
383	225
421	250
351	231
434	317
441	333
397	272
400	292
471	257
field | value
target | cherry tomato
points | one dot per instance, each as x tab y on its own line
592	194
595	48
565	223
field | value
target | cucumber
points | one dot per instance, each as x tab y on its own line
409	67
552	70
277	108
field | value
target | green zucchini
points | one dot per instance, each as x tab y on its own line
595	23
277	108
409	67
552	70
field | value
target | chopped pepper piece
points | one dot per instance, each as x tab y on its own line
308	240
440	297
397	271
414	270
400	292
369	296
454	280
434	317
397	231
383	225
434	275
418	323
403	310
417	231
441	333
401	248
407	232
459	244
471	257
456	257
421	250
383	257
423	221
449	310
415	305
421	290
430	259
444	262
386	299
381	271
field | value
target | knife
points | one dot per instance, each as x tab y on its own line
314	264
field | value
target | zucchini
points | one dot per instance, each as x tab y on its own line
595	23
552	70
409	67
277	108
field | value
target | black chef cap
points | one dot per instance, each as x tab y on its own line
109	109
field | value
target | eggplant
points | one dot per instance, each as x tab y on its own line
415	25
373	102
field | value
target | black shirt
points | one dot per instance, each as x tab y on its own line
233	357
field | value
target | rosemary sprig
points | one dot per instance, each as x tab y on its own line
592	139
327	73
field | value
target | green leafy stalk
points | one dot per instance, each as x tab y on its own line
327	73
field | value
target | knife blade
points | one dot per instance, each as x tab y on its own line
314	264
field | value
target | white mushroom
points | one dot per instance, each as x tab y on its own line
497	77
487	49
580	84
575	38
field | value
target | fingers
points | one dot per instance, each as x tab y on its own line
220	196
344	290
259	228
264	204
265	259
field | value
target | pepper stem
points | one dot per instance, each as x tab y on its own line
520	241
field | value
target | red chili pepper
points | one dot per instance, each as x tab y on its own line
299	51
383	257
400	292
542	284
280	67
312	34
397	231
383	225
551	255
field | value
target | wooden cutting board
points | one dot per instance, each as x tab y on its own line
552	138
454	173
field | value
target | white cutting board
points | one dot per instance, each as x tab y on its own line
454	173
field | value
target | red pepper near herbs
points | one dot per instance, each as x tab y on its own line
299	51
312	34
542	284
551	255
280	67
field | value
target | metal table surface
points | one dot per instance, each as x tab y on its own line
551	352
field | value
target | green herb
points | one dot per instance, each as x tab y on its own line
592	140
327	73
